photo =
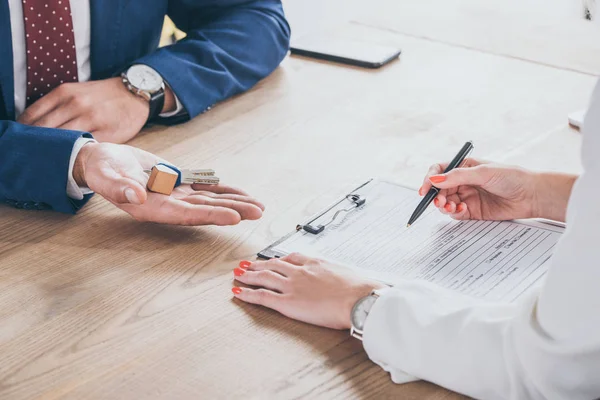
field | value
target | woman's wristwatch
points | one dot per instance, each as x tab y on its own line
360	312
146	83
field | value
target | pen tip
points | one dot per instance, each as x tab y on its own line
408	225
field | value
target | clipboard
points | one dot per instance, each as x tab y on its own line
365	231
348	203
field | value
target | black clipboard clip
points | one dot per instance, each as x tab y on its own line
357	201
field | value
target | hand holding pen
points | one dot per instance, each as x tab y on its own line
434	191
479	190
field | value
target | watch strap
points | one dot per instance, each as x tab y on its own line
157	101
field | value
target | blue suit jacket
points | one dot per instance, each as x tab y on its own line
230	46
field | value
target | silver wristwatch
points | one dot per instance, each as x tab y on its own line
360	312
146	83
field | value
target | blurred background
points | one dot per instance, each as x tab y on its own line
307	16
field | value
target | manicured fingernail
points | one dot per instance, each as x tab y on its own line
245	264
436	201
236	290
437	178
460	208
239	272
448	207
131	196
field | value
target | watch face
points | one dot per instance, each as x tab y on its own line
144	78
361	310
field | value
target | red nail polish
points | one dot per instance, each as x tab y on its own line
245	264
437	178
448	207
436	201
460	208
239	272
236	290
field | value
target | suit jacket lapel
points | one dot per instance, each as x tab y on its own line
7	86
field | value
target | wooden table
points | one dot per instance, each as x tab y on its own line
98	306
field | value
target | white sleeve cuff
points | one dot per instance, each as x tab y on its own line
75	191
178	108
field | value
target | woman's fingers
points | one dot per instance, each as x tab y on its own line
476	176
440	201
433	170
461	212
265	278
435	175
262	297
449	208
296	259
452	205
275	264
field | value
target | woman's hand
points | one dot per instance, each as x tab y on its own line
483	191
303	288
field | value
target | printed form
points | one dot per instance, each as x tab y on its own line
496	261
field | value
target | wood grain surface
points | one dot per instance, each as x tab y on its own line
98	306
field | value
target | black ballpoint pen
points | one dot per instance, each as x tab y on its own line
433	192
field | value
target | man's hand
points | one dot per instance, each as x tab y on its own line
104	108
116	172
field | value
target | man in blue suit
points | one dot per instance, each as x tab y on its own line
75	69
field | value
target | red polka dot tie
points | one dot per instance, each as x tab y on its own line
51	58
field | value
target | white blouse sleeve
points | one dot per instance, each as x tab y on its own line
545	347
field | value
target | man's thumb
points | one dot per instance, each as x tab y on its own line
126	191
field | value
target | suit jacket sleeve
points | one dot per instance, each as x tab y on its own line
230	46
35	167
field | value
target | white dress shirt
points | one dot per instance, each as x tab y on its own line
80	11
545	347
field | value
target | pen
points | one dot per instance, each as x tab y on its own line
433	192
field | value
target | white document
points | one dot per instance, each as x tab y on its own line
496	261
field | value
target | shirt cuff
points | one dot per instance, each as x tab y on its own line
371	339
74	191
178	108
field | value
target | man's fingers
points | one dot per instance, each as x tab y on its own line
197	215
55	117
262	297
76	124
219	189
45	105
236	197
169	210
245	210
296	259
266	279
